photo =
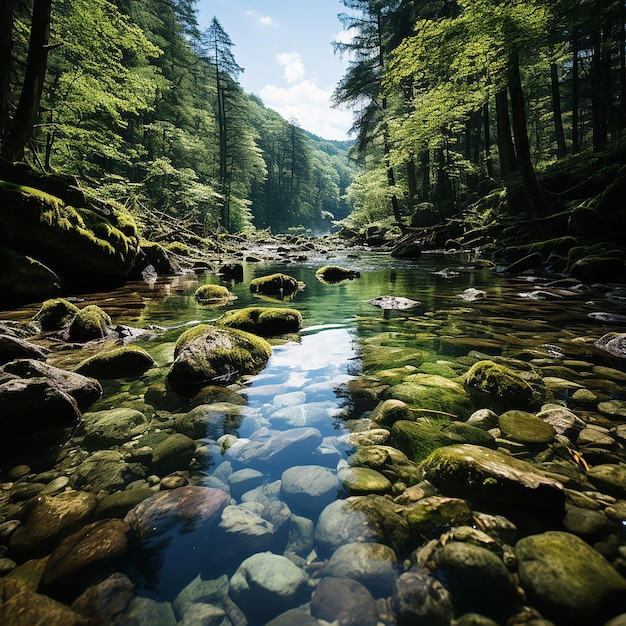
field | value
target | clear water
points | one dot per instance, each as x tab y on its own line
340	327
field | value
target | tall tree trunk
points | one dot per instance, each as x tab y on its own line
575	87
426	175
488	158
598	101
522	146
411	177
21	126
506	149
6	51
556	111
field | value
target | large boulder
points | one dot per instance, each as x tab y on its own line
24	279
55	314
207	354
489	476
90	323
12	348
123	362
263	321
568	581
281	285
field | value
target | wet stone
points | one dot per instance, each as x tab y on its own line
525	428
595	438
584	522
244	480
307	489
343	601
362	480
200	591
615	409
609	478
419	599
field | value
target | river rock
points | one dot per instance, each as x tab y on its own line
55	314
485	419
50	518
119	503
25	279
107	601
281	285
206	354
345	602
244	532
609	478
89	323
419	599
526	428
124	362
112	427
568	581
106	470
374	565
307	489
83	389
614	344
199	591
301	536
299	617
562	420
477	579
389	411
490	476
471	294
84	555
363	480
616	409
436	514
244	480
148	612
210	420
584	522
186	508
172	454
263	321
266	585
369	518
12	348
498	386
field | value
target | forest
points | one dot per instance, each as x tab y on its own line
467	114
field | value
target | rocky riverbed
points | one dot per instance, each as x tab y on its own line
460	462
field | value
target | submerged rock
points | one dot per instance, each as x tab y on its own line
275	285
12	348
335	274
263	321
213	294
419	599
124	362
343	601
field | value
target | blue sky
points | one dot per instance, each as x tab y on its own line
285	48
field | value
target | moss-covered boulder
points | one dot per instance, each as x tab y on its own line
24	279
92	240
55	314
526	428
124	362
568	581
599	269
263	321
390	411
335	274
489	476
419	438
211	355
498	387
213	294
89	323
432	516
434	394
363	480
277	284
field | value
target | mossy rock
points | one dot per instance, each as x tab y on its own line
599	269
178	247
213	294
89	323
275	284
263	321
434	515
215	355
526	428
123	362
363	480
390	411
335	274
498	387
55	314
460	432
433	394
25	279
417	439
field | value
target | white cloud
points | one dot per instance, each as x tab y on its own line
310	106
266	20
345	36
292	66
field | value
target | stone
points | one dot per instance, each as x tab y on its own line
526	428
172	454
301	536
89	323
103	429
419	599
12	348
370	518
206	354
609	478
562	420
210	421
49	519
83	556
463	432
567	580
345	602
280	285
295	616
123	362
185	508
244	480
55	314
614	344
307	489
119	503
148	612
486	419
25	279
374	565
309	414
201	614
362	480
477	580
433	515
213	294
200	591
106	470
489	476
471	294
498	386
266	585
389	411
616	409
263	321
583	522
244	532
107	601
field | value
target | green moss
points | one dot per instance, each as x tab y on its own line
335	274
210	294
120	362
420	438
276	284
190	334
90	323
178	247
263	321
498	386
55	314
